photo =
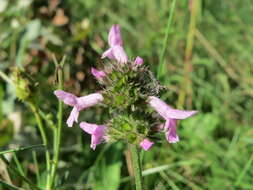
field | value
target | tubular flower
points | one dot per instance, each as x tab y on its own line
97	133
170	115
146	144
78	103
115	42
97	74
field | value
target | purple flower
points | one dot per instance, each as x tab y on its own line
170	115
78	103
98	74
138	61
97	133
116	50
146	144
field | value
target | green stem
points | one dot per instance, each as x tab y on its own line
35	111
58	129
161	71
136	166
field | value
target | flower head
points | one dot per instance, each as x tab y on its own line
97	133
129	87
78	103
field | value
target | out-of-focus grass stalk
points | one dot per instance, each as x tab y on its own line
58	129
35	111
186	82
37	169
20	168
161	71
18	174
136	166
5	77
215	54
243	172
22	148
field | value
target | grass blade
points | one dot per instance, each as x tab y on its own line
161	71
22	148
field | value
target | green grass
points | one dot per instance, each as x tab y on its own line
215	151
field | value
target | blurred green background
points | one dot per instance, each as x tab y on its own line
208	67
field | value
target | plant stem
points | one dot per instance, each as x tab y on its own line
35	111
58	129
136	166
161	71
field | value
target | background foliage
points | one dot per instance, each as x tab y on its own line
215	151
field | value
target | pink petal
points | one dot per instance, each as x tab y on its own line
67	98
138	61
108	53
97	74
119	54
88	127
171	134
166	111
170	123
146	144
89	100
114	37
97	133
116	52
73	117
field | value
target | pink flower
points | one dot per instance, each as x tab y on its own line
115	42
146	144
97	74
170	115
78	103
97	133
138	61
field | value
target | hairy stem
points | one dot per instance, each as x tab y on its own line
136	166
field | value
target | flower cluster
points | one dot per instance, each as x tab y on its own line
130	94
